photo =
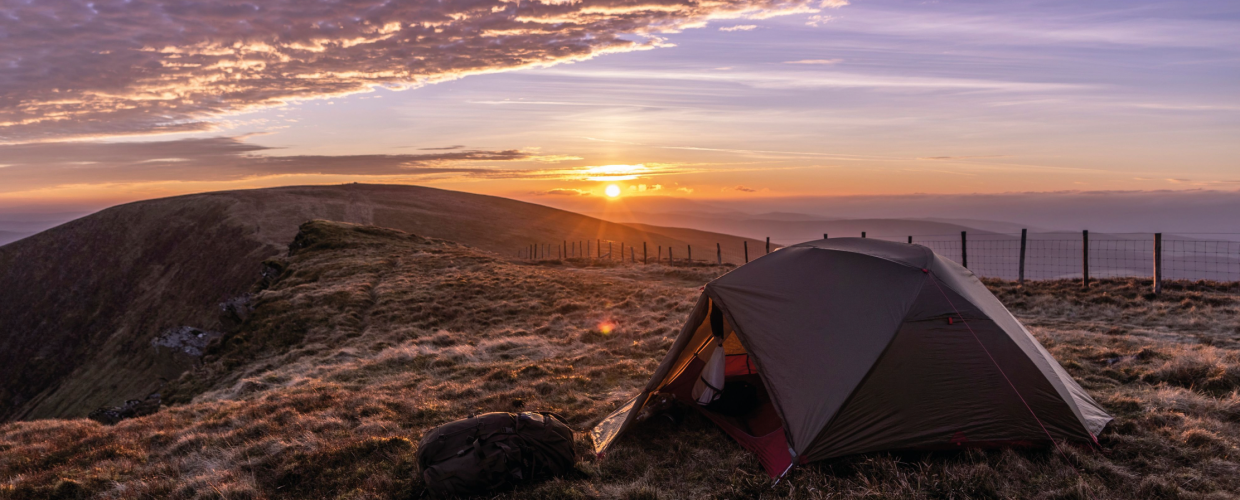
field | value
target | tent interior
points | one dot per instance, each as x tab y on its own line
743	408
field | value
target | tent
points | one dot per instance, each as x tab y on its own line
859	345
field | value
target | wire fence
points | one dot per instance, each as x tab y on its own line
1001	256
1048	259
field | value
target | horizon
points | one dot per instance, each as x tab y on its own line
749	102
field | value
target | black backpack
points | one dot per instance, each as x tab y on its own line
495	451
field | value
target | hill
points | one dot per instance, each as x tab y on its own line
368	336
95	311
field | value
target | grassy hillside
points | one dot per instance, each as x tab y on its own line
82	302
370	336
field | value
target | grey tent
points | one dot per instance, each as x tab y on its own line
857	345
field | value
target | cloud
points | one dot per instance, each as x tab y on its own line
950	158
94	68
445	148
815	61
742	27
43	165
818	20
744	189
686	190
564	192
833	4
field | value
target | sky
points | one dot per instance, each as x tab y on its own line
742	101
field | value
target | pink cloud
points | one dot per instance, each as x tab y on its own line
115	67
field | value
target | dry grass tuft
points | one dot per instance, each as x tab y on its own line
372	336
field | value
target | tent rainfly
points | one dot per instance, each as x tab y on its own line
852	345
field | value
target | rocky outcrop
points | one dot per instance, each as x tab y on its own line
185	340
132	408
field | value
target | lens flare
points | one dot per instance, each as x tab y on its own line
606	327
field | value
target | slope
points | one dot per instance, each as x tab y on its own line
84	302
370	336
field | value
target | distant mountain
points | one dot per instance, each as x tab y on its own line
84	304
7	237
787	229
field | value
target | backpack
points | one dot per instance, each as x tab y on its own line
494	451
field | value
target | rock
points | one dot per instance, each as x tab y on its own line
132	408
234	311
186	340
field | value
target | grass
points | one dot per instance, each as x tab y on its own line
371	336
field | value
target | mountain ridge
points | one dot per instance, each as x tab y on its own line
86	300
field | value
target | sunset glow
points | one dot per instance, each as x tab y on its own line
734	100
613	191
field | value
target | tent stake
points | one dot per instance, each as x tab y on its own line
785	473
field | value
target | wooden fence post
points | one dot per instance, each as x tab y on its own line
824	236
645	254
1085	258
768	244
1021	276
1158	268
746	251
910	239
690	253
632	255
863	234
670	260
599	248
719	253
660	259
964	250
610	256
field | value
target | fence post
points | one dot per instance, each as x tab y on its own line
746	251
645	254
660	259
768	244
610	256
1021	273
632	255
565	249
910	239
621	251
1158	263
690	253
719	253
863	234
670	260
964	250
1085	258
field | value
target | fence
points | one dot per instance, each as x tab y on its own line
993	255
612	250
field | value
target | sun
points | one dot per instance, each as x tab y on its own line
612	191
